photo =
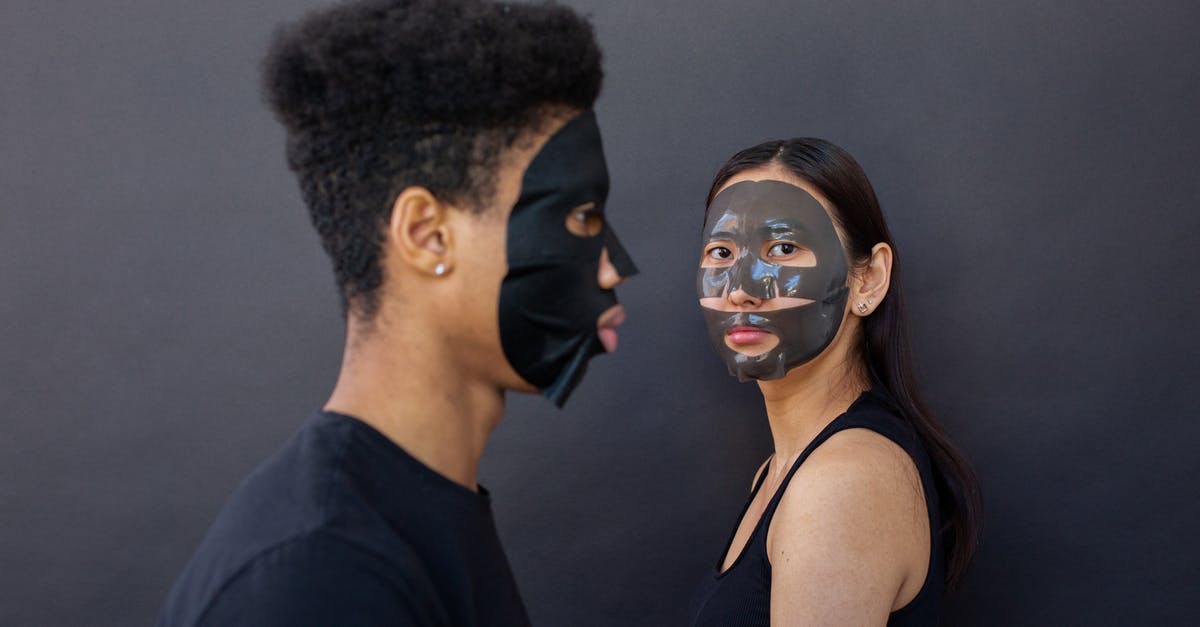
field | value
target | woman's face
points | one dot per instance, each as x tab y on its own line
772	277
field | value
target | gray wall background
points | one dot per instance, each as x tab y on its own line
167	318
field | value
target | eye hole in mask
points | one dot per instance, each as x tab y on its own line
782	253
791	254
585	221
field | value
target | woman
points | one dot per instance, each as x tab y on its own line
865	511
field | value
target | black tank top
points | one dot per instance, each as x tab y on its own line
741	596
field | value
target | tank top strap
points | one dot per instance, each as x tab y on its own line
762	477
869	411
877	413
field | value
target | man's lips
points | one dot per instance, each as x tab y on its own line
606	326
742	336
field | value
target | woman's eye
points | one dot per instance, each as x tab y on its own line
782	249
720	253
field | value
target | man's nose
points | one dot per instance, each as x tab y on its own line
608	277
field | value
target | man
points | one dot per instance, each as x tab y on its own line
453	169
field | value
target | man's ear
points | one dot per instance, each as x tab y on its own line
419	232
872	281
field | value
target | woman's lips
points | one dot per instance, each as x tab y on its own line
743	336
606	326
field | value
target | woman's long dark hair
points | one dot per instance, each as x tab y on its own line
884	343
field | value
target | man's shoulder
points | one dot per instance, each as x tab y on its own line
287	496
313	482
297	525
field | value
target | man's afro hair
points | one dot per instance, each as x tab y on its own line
380	95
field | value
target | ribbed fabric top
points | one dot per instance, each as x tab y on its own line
741	595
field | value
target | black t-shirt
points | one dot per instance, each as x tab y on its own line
342	527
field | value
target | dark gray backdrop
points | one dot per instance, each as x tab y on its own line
167	318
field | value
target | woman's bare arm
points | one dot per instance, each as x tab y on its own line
850	540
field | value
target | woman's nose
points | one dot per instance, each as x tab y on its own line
608	277
740	298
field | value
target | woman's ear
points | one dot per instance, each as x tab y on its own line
419	233
871	283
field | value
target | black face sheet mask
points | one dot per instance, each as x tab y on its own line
550	300
753	216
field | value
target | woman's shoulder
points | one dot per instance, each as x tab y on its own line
864	460
853	469
850	520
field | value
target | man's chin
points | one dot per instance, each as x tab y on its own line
517	384
608	338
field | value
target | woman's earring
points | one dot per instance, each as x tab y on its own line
440	269
862	308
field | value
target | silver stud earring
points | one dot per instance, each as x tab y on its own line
862	308
440	269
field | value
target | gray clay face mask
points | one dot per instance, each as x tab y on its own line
773	241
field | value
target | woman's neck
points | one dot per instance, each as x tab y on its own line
809	397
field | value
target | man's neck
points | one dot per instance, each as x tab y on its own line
408	386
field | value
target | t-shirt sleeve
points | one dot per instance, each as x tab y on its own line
324	580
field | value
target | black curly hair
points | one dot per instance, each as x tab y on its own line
381	95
